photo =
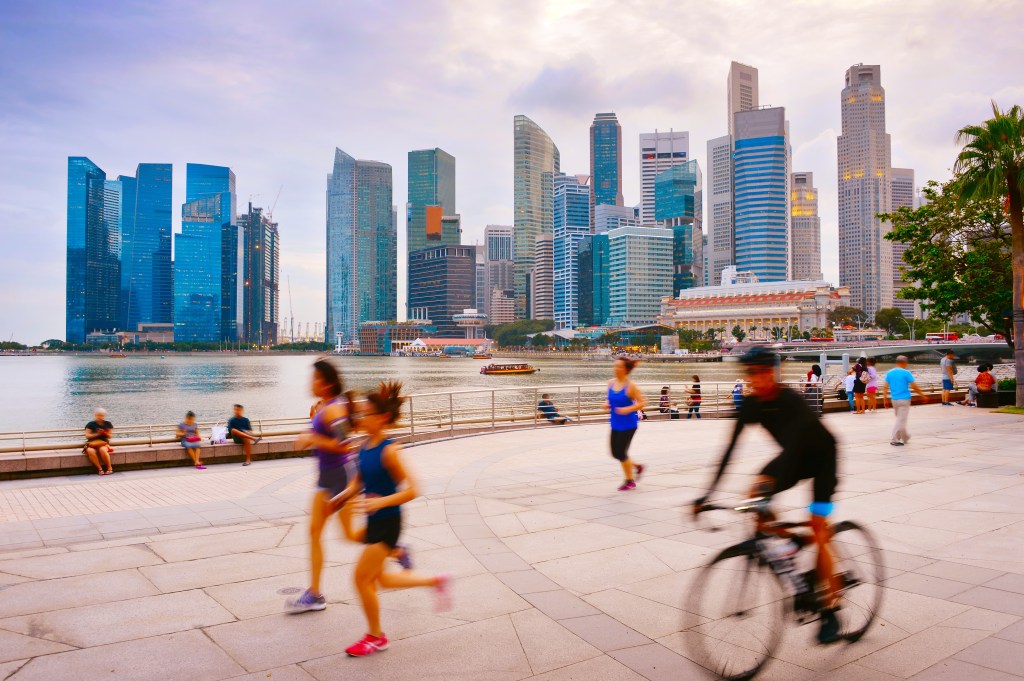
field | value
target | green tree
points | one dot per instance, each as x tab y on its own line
845	315
514	333
991	166
891	319
541	341
794	332
12	345
738	333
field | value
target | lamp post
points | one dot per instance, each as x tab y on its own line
909	326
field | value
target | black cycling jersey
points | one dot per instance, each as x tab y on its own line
808	449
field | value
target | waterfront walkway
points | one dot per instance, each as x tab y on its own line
179	574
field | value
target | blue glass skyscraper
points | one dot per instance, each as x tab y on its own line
761	193
571	224
431	197
605	162
146	269
677	206
93	241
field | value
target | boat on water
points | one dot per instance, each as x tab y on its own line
482	355
508	369
117	355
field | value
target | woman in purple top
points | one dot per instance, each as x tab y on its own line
624	404
330	439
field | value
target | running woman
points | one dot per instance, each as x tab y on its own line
387	486
329	438
624	404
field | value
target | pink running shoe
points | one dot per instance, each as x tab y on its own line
443	596
626	486
368	646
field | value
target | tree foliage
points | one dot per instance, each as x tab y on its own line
514	333
845	315
738	333
891	319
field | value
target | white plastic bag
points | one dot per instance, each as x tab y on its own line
219	435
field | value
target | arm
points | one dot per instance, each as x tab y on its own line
917	389
338	442
391	460
722	464
354	487
91	434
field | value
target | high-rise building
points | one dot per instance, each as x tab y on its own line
610	217
147	273
93	251
677	206
659	151
480	285
593	273
639	273
362	246
903	195
864	157
442	283
262	267
806	228
500	277
431	197
536	160
720	217
742	89
761	166
542	291
572	198
605	162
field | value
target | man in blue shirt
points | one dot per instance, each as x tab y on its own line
546	408
240	431
898	383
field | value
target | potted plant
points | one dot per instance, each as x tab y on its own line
1006	390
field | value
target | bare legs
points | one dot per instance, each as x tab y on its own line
370	573
822	536
99	456
247	440
195	453
858	398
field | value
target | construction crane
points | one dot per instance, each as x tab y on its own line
270	211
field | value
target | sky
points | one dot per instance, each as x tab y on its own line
271	88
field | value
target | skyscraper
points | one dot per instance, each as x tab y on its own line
761	165
659	151
903	195
542	292
605	162
865	190
742	91
362	255
93	249
534	156
639	274
720	218
678	206
573	195
500	278
806	228
262	261
610	217
208	259
431	197
593	280
147	293
442	283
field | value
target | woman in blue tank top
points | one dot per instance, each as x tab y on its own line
387	486
624	404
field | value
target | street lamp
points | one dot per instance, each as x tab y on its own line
909	326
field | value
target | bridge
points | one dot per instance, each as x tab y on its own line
890	350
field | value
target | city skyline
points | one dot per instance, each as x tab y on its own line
141	118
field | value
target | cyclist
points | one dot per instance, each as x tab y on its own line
808	452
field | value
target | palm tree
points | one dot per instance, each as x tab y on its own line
991	164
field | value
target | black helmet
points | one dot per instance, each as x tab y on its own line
759	357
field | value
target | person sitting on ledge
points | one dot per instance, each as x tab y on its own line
97	442
984	383
546	408
240	430
191	440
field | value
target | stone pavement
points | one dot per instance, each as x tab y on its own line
179	574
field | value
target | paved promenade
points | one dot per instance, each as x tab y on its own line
178	574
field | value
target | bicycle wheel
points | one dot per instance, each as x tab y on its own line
859	562
736	611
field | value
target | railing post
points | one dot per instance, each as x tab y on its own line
23	444
451	413
534	405
579	404
412	418
493	422
150	435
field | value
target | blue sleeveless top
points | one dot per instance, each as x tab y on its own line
621	398
377	481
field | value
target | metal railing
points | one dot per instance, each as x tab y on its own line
448	414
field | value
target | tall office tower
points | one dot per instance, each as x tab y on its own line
362	246
720	217
262	267
542	292
864	157
639	274
500	279
208	259
761	165
610	217
806	228
442	283
431	197
677	206
480	285
147	274
659	151
535	156
572	197
93	266
605	162
593	280
903	196
742	88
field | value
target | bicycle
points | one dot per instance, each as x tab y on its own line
741	601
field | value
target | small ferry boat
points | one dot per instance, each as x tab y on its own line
482	355
117	355
508	369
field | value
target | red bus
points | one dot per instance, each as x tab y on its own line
823	340
941	337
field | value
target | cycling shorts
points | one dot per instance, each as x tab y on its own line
819	465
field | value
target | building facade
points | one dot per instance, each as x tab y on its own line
362	246
536	160
384	337
639	274
719	218
500	272
865	190
903	195
742	89
261	303
147	273
431	198
442	284
761	167
659	151
677	206
542	289
610	217
573	196
805	244
605	162
593	278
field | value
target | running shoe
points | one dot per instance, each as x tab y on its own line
829	632
200	467
639	470
896	443
442	593
404	558
306	602
368	646
626	486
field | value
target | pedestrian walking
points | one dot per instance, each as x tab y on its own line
387	486
872	385
97	442
860	385
693	402
947	366
240	430
624	402
191	440
898	384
